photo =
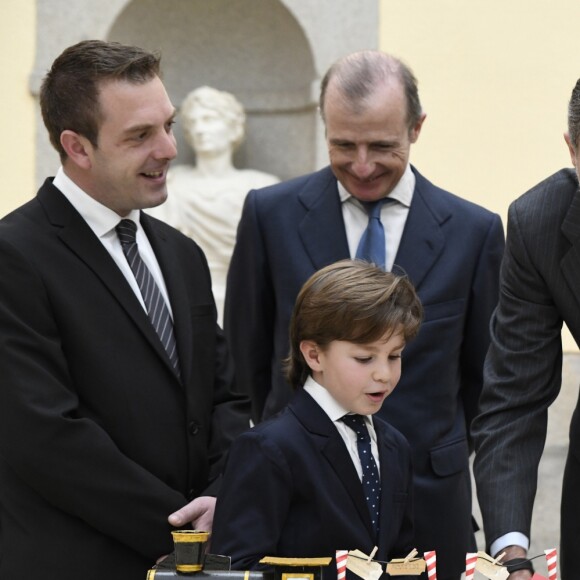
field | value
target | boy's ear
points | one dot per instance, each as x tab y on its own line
311	353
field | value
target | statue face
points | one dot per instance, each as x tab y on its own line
209	131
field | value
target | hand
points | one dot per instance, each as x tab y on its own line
516	552
520	575
198	513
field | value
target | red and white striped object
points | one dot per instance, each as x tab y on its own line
341	558
470	562
431	561
552	561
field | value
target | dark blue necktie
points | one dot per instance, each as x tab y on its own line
371	481
154	301
372	243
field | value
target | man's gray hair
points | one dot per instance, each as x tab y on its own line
358	75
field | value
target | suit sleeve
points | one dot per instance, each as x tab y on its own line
406	534
253	502
212	396
230	413
249	309
48	444
483	300
522	377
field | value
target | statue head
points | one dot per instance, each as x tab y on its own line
213	121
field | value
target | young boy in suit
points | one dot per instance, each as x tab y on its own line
324	474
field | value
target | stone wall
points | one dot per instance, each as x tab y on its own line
271	54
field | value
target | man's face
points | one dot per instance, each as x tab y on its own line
369	148
128	168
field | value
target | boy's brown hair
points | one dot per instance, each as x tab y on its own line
353	301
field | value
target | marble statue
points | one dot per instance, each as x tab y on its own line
205	201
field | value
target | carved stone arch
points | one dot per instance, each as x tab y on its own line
270	53
255	49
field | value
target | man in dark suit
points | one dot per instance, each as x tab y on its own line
523	369
450	248
116	406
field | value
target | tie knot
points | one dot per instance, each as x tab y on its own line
373	208
127	231
357	424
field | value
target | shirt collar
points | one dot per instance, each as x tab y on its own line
403	191
100	218
326	401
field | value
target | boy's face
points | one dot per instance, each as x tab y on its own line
359	376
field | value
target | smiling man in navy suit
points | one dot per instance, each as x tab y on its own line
450	248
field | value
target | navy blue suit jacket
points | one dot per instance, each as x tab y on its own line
451	250
290	488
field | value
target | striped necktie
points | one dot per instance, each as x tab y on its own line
156	306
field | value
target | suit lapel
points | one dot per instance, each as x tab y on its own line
386	459
332	447
571	260
422	241
81	240
322	227
325	242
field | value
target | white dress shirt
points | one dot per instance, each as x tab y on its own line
102	222
335	411
393	216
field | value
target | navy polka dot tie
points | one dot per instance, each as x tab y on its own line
370	480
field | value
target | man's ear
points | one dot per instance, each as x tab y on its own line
311	353
78	148
416	130
571	148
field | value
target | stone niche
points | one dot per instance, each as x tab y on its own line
271	54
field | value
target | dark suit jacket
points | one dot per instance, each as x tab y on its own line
540	288
451	249
99	441
291	489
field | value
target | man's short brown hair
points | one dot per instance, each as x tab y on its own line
69	96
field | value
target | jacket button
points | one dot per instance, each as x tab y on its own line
193	428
